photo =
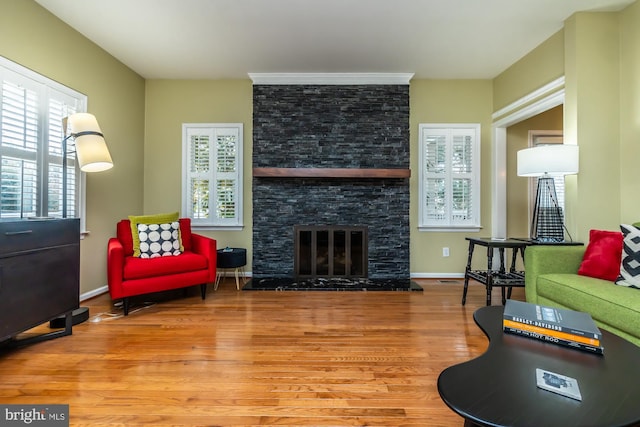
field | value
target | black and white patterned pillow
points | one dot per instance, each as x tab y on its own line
158	240
630	265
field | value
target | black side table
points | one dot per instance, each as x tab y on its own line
500	277
231	258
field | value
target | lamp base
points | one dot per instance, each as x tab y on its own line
78	315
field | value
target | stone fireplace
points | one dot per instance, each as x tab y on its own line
331	157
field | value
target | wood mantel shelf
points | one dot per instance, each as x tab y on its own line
330	173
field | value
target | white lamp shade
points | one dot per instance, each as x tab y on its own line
554	160
93	154
91	149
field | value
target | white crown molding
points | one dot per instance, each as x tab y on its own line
331	78
543	104
552	87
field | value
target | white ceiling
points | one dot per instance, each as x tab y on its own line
209	39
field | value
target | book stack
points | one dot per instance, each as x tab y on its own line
556	325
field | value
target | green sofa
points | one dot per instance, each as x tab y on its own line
551	279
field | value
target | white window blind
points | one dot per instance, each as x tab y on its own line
212	174
31	111
449	176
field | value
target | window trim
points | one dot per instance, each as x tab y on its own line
46	86
423	225
238	224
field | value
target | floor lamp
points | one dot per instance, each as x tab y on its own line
547	162
92	155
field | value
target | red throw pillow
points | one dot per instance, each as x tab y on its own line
603	255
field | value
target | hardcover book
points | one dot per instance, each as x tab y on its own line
511	324
557	383
552	319
596	349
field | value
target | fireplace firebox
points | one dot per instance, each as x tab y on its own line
330	251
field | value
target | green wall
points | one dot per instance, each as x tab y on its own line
542	65
448	101
629	113
169	104
32	37
592	120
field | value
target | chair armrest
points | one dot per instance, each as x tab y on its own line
115	267
208	247
544	259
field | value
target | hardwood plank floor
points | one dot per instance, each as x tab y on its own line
256	359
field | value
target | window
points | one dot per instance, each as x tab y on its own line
449	177
31	111
212	174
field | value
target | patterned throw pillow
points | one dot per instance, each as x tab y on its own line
163	218
630	266
158	240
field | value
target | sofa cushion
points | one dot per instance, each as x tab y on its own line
630	265
158	240
610	304
139	268
602	257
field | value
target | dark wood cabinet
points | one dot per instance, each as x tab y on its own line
39	276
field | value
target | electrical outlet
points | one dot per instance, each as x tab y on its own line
445	251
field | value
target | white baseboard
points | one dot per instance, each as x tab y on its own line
437	275
94	293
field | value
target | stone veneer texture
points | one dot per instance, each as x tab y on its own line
329	126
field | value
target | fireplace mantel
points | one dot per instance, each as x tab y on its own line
330	173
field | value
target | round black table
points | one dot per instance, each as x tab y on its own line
499	388
231	259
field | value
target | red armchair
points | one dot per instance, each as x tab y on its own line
129	276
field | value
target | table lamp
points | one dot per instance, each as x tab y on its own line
546	162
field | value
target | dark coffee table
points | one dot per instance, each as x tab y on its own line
499	387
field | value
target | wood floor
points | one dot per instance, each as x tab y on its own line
256	359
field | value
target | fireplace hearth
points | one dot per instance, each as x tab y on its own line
331	284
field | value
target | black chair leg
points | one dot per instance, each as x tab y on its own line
125	305
203	290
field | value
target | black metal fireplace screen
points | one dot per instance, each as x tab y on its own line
330	251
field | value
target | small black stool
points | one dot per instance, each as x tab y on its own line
231	258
